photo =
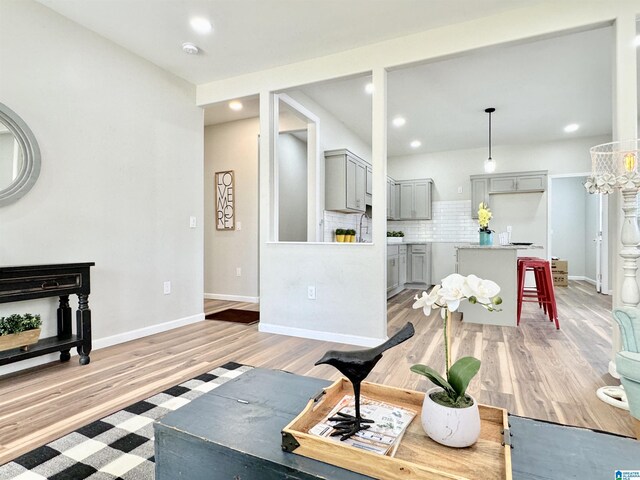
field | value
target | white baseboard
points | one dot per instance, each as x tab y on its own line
318	335
232	298
580	277
104	342
146	331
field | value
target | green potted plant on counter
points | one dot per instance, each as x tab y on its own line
352	235
484	215
339	235
449	415
395	237
19	331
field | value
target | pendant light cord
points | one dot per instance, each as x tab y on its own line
490	136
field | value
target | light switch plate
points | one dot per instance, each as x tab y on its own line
193	222
238	225
167	288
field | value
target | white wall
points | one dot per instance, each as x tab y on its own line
121	144
232	146
292	188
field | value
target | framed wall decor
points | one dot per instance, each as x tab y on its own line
225	200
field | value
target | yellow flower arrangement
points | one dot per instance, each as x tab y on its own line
484	215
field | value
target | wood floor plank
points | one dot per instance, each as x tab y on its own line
532	370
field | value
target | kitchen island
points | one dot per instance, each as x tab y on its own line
500	264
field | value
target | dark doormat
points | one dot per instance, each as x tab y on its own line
247	317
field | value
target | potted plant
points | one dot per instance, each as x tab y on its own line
339	235
394	237
19	331
484	215
352	235
449	415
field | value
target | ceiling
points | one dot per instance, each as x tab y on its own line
537	89
252	35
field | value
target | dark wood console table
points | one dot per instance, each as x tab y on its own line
41	281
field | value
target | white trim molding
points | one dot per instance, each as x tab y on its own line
231	298
146	331
319	335
583	278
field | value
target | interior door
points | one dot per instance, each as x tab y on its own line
598	241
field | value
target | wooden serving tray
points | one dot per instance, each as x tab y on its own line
417	456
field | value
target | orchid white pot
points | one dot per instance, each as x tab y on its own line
453	427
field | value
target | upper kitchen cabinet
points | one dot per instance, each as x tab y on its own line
521	182
415	199
369	187
393	199
345	181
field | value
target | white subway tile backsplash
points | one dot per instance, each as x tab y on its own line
451	222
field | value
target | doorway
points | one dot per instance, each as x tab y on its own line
577	230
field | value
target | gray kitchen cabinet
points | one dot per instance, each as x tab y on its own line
419	259
415	199
392	267
402	268
369	186
518	182
479	194
392	199
503	184
345	181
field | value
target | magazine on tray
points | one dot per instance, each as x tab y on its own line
383	435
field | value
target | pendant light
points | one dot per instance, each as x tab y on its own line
490	163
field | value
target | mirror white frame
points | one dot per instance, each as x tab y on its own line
27	143
315	194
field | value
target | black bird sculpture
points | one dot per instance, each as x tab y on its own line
356	365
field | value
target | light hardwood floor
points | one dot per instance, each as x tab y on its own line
532	370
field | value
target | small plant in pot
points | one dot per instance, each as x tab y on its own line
352	235
19	331
449	415
339	235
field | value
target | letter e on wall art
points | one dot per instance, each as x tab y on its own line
225	200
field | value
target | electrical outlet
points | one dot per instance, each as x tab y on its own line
193	222
311	292
508	228
238	272
167	288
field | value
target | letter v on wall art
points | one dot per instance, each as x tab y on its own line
225	200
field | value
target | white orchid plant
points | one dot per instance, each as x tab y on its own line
447	297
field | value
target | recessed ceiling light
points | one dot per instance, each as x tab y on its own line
235	105
415	144
572	127
190	48
201	25
369	88
398	121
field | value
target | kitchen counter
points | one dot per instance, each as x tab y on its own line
497	263
500	247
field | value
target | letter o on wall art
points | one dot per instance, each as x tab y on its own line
225	200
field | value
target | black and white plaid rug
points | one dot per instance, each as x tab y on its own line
117	447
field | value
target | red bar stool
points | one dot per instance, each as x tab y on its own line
543	294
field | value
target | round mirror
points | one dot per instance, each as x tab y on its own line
19	156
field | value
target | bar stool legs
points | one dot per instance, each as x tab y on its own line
543	294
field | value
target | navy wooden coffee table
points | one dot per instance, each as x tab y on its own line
234	432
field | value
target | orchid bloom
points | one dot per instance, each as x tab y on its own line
428	301
455	288
483	290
